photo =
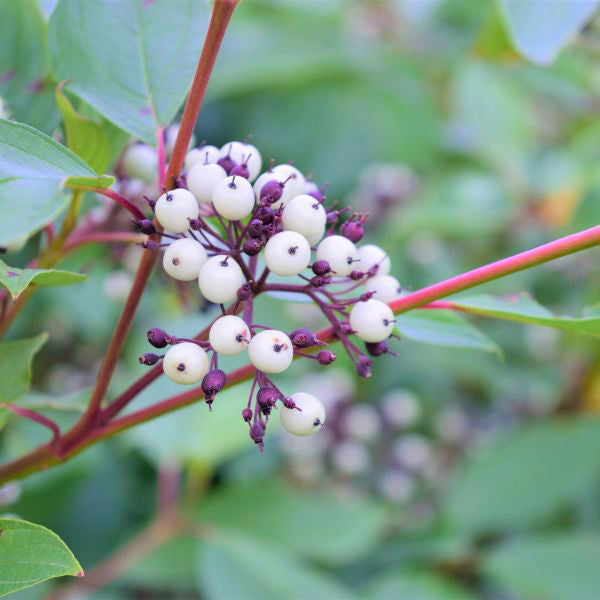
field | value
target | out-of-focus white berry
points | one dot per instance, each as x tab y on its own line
396	486
412	451
371	255
229	335
287	253
373	321
361	422
385	287
339	252
452	425
296	182
206	155
185	363
202	180
183	259
306	421
140	161
400	408
233	198
271	351
305	215
350	457
4	112
117	285
220	278
174	209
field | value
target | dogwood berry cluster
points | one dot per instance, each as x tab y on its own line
228	226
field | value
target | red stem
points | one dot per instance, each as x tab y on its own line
41	419
108	193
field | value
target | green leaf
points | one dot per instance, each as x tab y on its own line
26	206
29	153
85	137
415	585
232	566
15	366
30	554
525	476
443	328
539	30
16	280
551	566
522	308
133	61
25	83
339	531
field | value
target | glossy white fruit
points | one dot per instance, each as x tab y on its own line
235	150
271	351
306	421
185	363
305	215
253	161
220	278
206	155
340	253
203	179
183	259
385	287
296	183
233	198
371	255
229	335
287	253
373	321
140	161
174	209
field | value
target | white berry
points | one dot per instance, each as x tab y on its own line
233	198
235	150
371	255
385	287
253	161
184	258
174	209
220	278
206	155
141	162
287	253
305	215
373	320
339	252
271	351
185	363
202	180
296	182
306	421
229	335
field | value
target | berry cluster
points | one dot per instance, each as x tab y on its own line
228	226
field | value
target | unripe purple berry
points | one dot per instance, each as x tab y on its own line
326	357
265	214
267	396
149	358
227	163
244	292
252	246
356	275
158	337
255	228
353	230
247	415
271	191
257	432
145	226
363	367
289	403
321	267
214	381
377	348
303	338
320	280
241	170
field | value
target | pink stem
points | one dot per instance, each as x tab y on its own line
33	416
124	202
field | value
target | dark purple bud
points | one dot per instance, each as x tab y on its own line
158	337
252	246
321	267
326	357
145	226
227	163
303	338
356	275
244	292
149	358
366	296
255	228
363	366
257	433
346	328
265	214
241	170
289	403
267	396
213	382
195	224
316	193
332	217
247	415
320	280
376	348
271	191
150	245
270	229
353	230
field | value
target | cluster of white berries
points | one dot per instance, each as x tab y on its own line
223	213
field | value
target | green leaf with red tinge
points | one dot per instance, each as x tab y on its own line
30	554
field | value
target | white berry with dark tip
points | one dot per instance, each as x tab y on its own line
371	255
296	182
233	198
271	351
183	259
253	161
206	155
140	161
202	180
185	363
305	215
308	416
372	321
229	335
385	287
220	278
174	209
287	253
339	252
